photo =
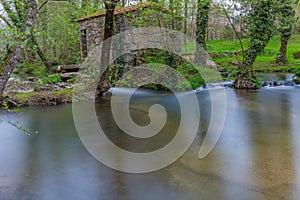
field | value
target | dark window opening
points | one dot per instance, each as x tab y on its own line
83	41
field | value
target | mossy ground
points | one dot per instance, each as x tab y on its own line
42	98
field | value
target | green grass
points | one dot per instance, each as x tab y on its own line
264	62
27	95
35	70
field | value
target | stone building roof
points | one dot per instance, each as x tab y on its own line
126	10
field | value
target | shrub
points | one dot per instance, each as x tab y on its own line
51	79
192	75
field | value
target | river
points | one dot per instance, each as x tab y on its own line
256	157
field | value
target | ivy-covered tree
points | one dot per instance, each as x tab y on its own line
261	21
285	11
202	15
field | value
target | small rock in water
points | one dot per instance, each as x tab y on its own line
296	80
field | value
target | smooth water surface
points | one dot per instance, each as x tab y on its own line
257	156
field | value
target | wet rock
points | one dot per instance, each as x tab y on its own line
297	80
54	87
18	86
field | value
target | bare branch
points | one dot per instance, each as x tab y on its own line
6	21
233	27
41	6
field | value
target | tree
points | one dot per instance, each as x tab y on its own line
201	28
286	18
261	20
185	19
14	57
56	32
104	83
15	11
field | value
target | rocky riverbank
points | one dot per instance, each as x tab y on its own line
20	93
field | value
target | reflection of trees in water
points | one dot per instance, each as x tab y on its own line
268	115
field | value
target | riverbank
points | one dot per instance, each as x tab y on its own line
29	93
40	98
20	93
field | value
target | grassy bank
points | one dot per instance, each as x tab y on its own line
42	98
263	63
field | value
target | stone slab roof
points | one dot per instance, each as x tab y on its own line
126	10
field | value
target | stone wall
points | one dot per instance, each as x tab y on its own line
142	17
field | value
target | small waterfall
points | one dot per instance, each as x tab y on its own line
279	83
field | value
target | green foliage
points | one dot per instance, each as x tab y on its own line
57	32
202	21
51	79
286	17
297	74
30	69
263	62
13	123
192	75
184	85
261	27
162	57
256	81
54	78
22	128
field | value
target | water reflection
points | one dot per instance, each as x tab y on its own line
257	156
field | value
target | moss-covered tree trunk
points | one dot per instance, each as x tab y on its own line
261	26
286	17
201	29
104	83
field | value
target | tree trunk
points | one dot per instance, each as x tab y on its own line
15	56
281	57
286	18
185	20
262	21
171	8
201	29
104	83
